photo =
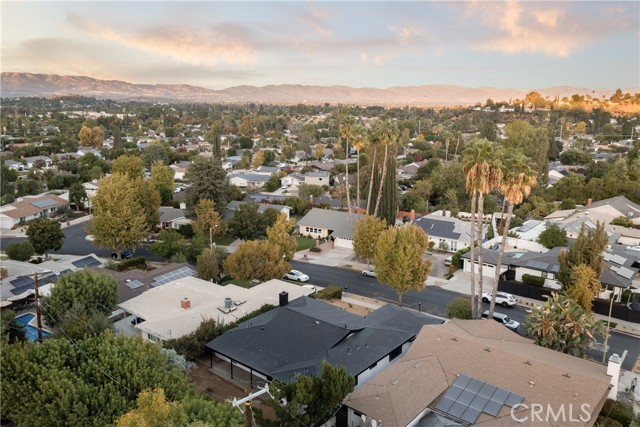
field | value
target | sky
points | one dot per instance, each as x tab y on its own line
216	44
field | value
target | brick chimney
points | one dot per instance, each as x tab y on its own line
185	303
4	273
412	215
589	201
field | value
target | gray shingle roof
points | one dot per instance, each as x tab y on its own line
339	222
169	214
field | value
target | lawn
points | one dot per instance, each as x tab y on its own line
242	283
224	240
304	243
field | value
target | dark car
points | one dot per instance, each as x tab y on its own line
125	254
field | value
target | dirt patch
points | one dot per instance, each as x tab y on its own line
351	308
207	383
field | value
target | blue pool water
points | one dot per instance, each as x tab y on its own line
31	332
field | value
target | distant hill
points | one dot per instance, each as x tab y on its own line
29	85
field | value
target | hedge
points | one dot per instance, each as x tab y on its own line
528	279
128	264
621	412
603	421
329	293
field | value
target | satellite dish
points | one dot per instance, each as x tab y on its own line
364	418
374	423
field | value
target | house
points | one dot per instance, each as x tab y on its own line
316	178
179	169
477	372
88	150
341	179
14	165
28	208
296	337
300	156
19	281
268	170
249	180
322	167
328	223
411	170
177	307
173	218
233	205
91	188
40	162
447	233
293	179
489	262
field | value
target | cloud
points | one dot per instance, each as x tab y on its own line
317	19
554	29
220	43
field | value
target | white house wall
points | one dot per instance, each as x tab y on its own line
487	271
343	243
548	282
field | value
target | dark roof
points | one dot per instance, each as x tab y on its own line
437	228
296	338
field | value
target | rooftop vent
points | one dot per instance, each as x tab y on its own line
228	302
185	303
284	298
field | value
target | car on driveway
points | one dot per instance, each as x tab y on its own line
504	319
297	276
125	254
369	272
502	298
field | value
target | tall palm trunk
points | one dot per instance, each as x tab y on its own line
504	203
346	175
480	276
373	167
358	181
503	244
474	310
382	178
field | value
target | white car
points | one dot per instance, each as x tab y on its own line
502	298
369	272
297	276
633	248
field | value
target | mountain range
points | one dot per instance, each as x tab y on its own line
47	85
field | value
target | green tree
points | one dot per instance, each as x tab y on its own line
562	325
171	243
310	401
10	330
119	221
534	143
152	409
459	308
484	174
90	382
77	195
399	259
79	321
21	251
129	165
45	235
552	237
488	130
208	181
623	221
153	153
249	224
387	134
587	249
585	286
280	234
347	133
306	190
162	180
366	233
97	292
259	260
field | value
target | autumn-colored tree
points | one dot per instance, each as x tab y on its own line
91	136
119	221
365	236
152	409
149	199
208	221
129	165
208	263
399	259
162	180
256	259
587	249
258	159
280	234
585	286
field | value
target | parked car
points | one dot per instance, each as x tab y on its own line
125	254
448	260
502	298
296	275
504	319
369	272
633	248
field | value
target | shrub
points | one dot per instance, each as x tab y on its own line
21	251
528	279
128	264
330	292
459	308
315	249
603	421
619	411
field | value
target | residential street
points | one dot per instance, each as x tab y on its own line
433	299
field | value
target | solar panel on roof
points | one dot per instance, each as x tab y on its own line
607	256
21	281
544	265
618	259
43	203
173	275
513	400
134	284
625	272
88	261
21	289
555	268
471	414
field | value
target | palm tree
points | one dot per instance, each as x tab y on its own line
518	179
359	142
373	142
387	134
346	133
483	171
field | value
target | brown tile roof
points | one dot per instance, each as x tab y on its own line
25	207
486	351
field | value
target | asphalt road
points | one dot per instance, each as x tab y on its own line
433	300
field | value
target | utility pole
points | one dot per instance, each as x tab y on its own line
37	302
606	338
248	414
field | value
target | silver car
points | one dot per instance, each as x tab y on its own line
369	272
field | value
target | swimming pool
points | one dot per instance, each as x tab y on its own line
30	331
